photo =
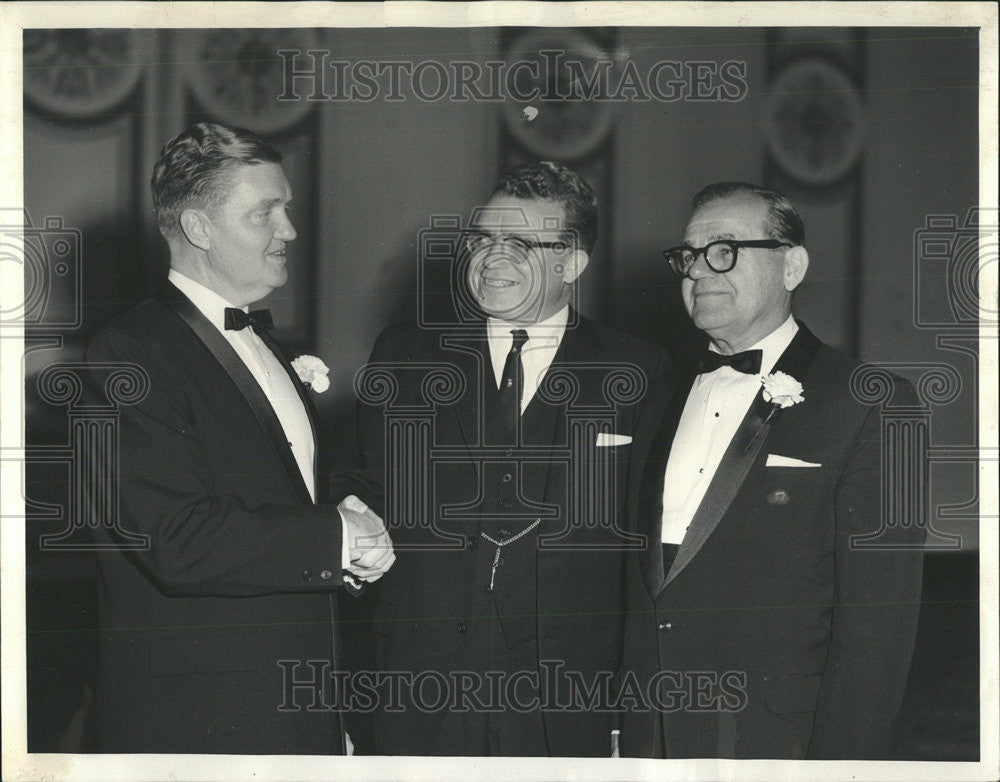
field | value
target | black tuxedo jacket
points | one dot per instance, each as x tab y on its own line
569	592
203	629
774	634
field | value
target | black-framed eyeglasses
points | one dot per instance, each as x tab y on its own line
719	255
479	241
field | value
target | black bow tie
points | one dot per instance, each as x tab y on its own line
747	362
258	320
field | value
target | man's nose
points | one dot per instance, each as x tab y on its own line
286	231
700	267
496	256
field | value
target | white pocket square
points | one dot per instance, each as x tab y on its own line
604	439
773	460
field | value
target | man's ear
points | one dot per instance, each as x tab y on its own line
195	225
574	266
796	264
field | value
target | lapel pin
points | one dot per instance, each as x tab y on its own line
778	497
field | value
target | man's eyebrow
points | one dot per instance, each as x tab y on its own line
269	202
713	238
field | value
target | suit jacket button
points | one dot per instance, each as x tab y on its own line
507	477
307	575
461	627
326	575
664	626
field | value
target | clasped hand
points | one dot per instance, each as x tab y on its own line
368	542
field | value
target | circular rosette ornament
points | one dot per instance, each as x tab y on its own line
238	75
78	73
814	122
564	118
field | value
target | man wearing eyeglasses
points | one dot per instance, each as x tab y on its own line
759	625
511	586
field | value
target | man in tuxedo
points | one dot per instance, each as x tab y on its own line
767	616
504	508
206	628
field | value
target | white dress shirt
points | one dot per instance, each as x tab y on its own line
544	339
270	376
266	370
715	407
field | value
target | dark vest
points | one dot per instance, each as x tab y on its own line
502	516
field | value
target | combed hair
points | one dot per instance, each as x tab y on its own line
194	167
782	221
556	182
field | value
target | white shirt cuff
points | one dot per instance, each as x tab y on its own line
345	551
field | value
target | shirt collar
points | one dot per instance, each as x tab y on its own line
210	303
543	332
773	345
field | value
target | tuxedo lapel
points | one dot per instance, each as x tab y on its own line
245	384
741	453
651	475
728	479
300	389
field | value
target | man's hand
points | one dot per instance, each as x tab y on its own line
368	542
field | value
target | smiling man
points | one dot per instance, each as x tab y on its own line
217	470
511	553
759	622
523	264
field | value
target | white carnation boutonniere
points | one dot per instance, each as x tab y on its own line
781	390
312	372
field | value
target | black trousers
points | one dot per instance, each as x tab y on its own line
513	725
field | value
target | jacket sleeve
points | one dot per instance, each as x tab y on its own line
202	542
878	577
